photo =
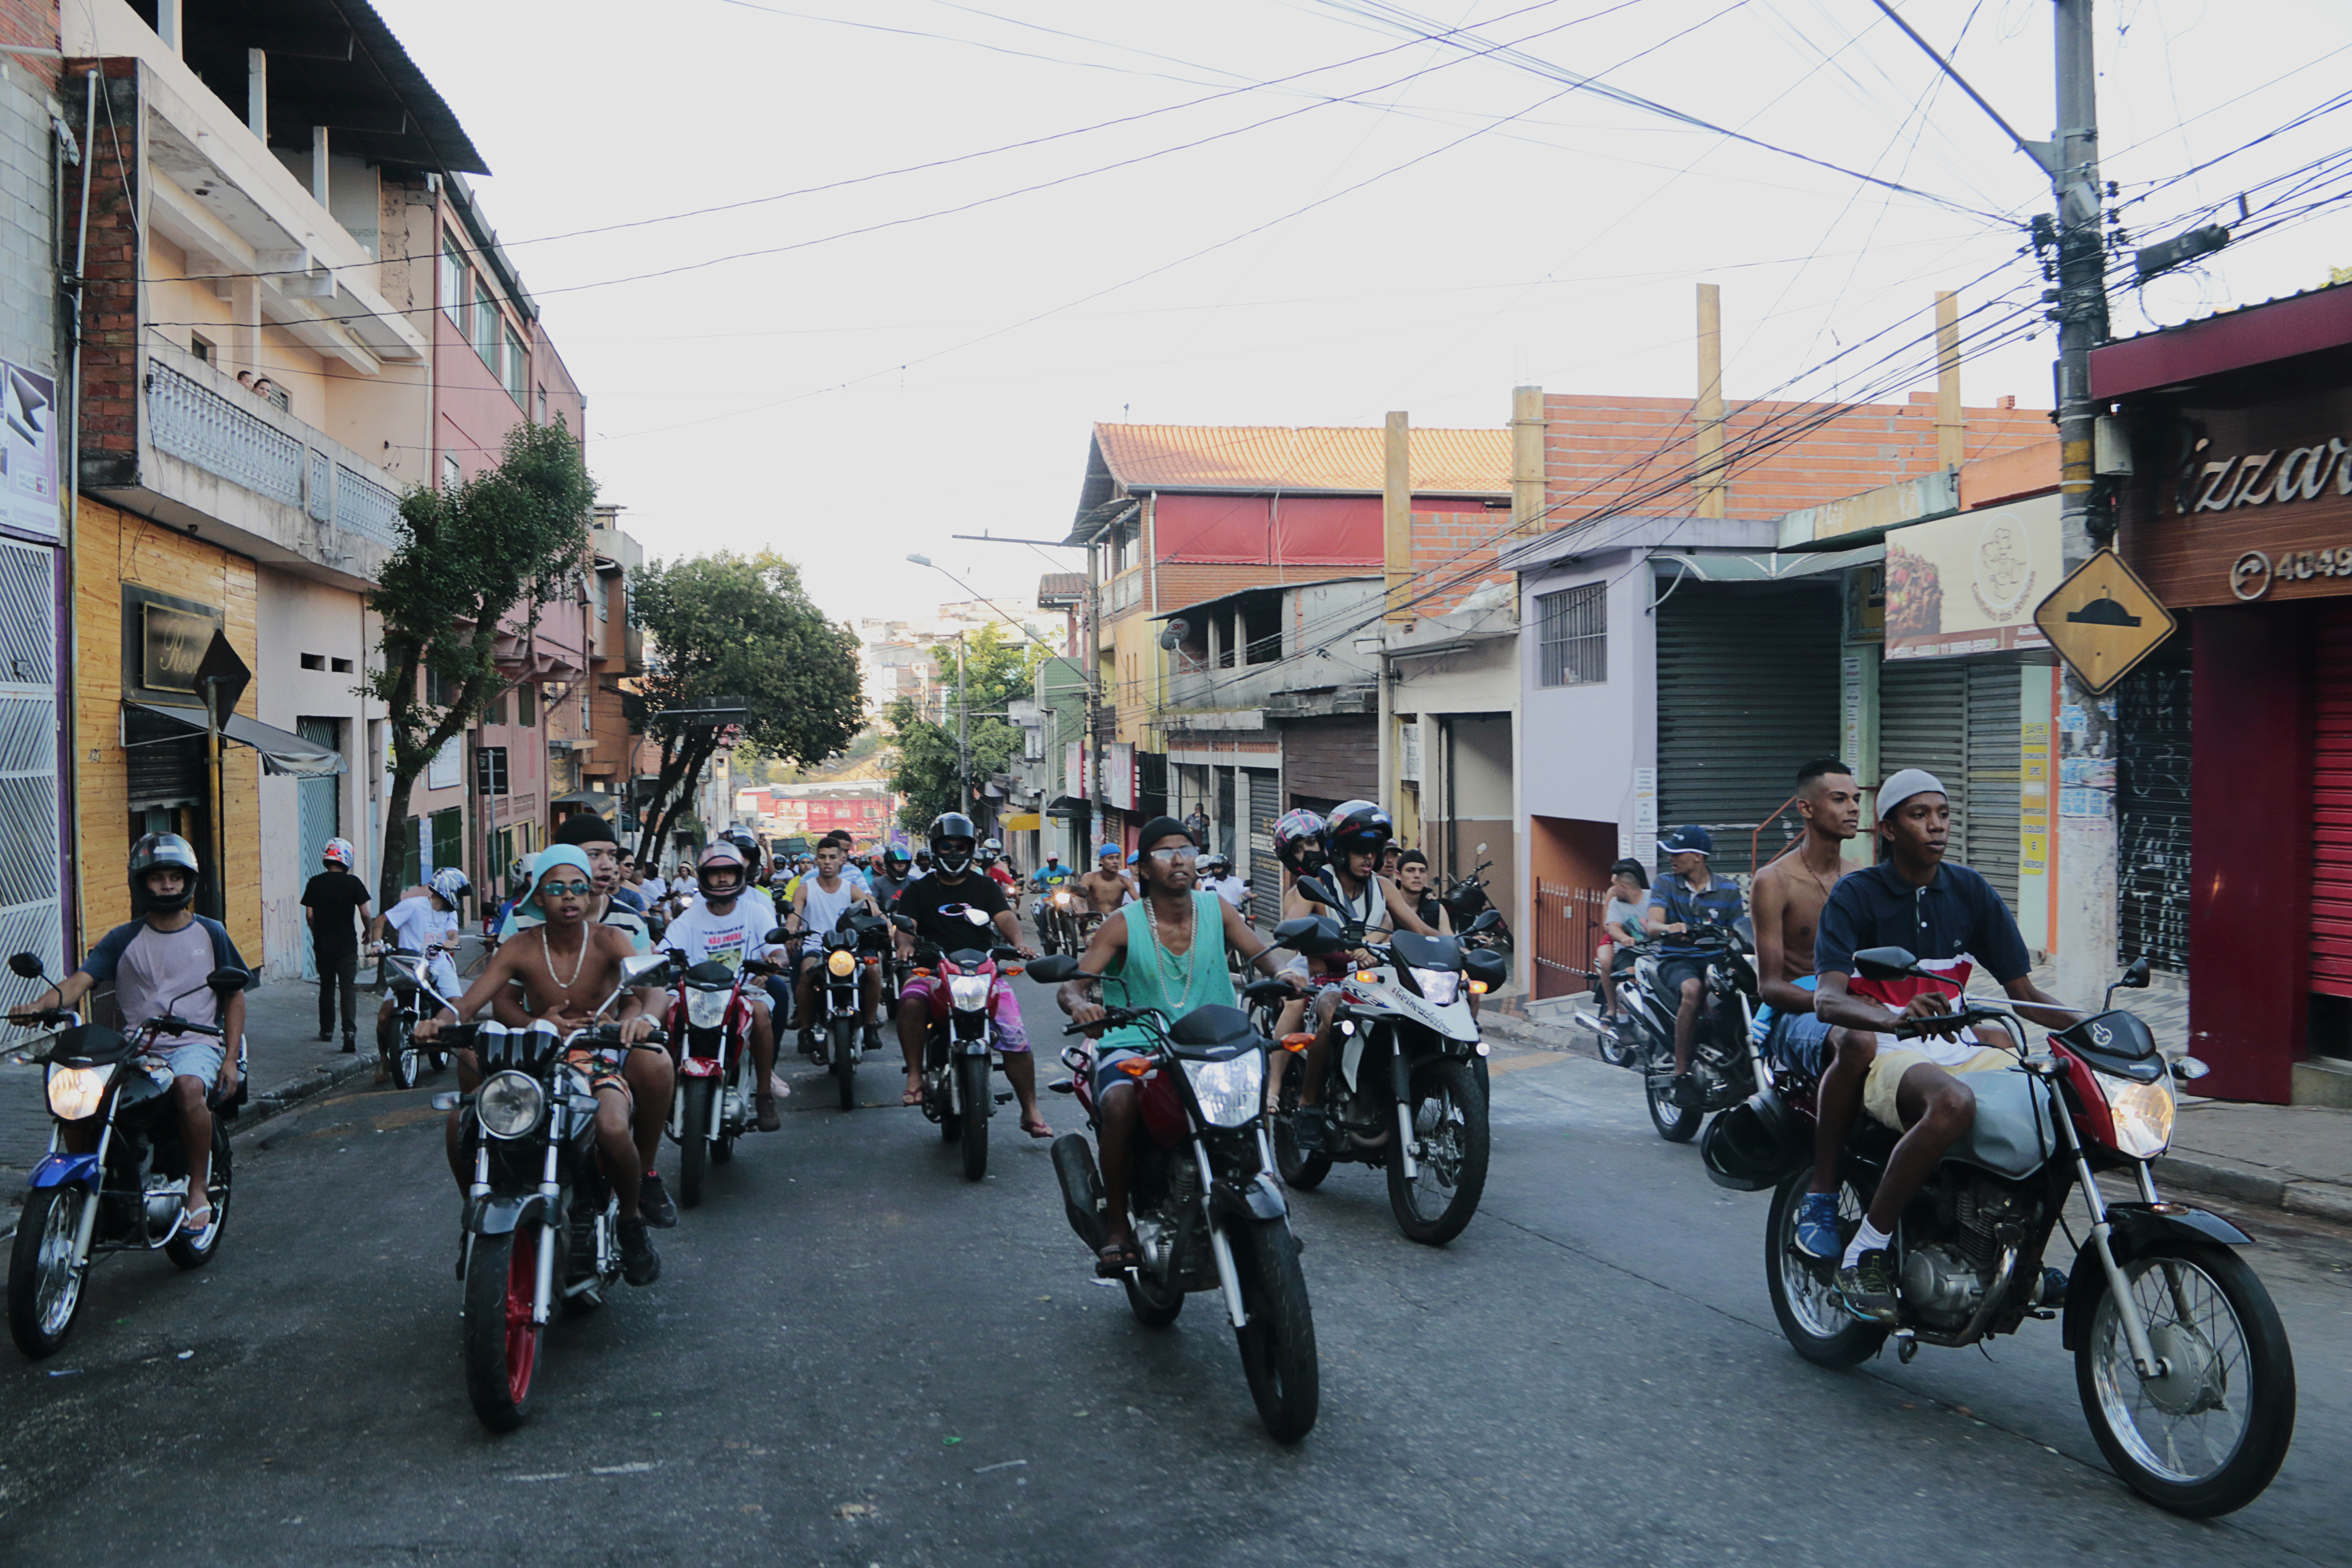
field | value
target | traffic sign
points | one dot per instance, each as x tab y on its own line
222	677
2103	620
490	769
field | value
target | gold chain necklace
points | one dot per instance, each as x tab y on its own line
547	956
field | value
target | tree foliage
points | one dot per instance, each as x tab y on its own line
996	671
729	625
504	540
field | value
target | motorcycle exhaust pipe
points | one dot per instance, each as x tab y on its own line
1082	1193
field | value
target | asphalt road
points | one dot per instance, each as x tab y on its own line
853	1357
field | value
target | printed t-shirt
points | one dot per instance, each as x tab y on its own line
923	901
1954	923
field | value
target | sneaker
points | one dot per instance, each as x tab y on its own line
1867	1288
640	1263
1683	1089
326	1036
770	1121
2053	1289
1817	1227
809	1047
654	1202
1307	1127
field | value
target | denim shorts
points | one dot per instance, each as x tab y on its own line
189	1058
1799	1040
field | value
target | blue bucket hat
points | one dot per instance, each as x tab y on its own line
548	860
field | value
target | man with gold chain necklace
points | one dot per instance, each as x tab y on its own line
1166	950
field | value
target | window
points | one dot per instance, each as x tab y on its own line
542	406
525	705
314	661
453	473
1575	631
201	346
515	365
340	666
496	713
487	323
454	278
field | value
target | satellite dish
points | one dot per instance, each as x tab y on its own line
1174	631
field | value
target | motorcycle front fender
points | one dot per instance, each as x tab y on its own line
502	1214
65	1171
1260	1198
2135	1228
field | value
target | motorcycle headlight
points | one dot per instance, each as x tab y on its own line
75	1092
509	1104
1438	987
841	961
2142	1112
1231	1093
706	1009
969	993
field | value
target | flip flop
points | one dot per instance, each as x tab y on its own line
912	1097
1041	1130
1116	1259
193	1227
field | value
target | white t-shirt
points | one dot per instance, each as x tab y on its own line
416	924
1233	889
703	935
750	898
654	890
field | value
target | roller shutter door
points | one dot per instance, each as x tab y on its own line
1264	786
1959	720
2152	873
2331	807
1334	759
1747	693
1995	764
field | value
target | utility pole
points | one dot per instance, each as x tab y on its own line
2087	933
963	743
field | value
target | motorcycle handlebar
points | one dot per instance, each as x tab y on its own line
170	1024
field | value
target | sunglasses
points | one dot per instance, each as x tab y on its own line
566	889
1181	853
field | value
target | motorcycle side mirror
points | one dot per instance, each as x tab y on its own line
24	966
1884	963
2137	977
642	967
977	917
228	977
1312	890
1480	850
904	923
1054	969
777	935
2189	1069
1487	920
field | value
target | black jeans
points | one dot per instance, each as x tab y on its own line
339	969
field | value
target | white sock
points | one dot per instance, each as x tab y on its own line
1869	1238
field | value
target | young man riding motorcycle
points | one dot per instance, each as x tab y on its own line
1789	896
724	924
1691	895
566	966
1359	833
952	881
890	876
423	917
819	901
1951	919
153	961
1165	951
1107	887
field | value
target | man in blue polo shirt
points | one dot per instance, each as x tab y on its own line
1686	901
1951	919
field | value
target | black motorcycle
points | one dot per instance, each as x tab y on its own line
1205	1208
127	1194
959	1041
846	952
407	972
1727	1065
1466	901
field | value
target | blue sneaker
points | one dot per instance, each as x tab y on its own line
1817	1227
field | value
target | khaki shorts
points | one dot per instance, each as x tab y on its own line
1886	1070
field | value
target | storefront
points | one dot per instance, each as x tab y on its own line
2237	512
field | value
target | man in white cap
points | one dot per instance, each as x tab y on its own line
1884	1033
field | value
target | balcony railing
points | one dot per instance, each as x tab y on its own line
199	425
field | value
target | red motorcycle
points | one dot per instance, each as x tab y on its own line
712	1023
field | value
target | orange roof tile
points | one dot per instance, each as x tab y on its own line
1311	457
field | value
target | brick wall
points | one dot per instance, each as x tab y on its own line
34	23
112	548
110	313
1454	556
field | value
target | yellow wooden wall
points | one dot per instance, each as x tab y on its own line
111	548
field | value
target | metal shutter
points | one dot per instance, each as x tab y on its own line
1995	766
1747	693
2152	876
1959	720
30	920
2331	807
1336	758
1923	707
1265	871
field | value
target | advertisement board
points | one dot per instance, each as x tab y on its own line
29	453
1970	583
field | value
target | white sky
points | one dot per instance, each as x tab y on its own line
858	398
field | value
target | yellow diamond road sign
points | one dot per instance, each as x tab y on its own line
2103	620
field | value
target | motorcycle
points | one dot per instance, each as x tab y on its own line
1465	900
1207	1213
1727	1062
959	1041
2181	1364
1404	1090
840	1020
1058	913
540	1226
395	1043
127	1195
712	1026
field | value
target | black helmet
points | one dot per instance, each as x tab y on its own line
162	850
895	858
1755	1144
744	841
953	841
1359	824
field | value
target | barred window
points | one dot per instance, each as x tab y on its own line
1575	624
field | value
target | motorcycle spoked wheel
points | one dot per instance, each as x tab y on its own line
1298	1168
405	1059
973	1088
1616	1045
843	1054
694	1139
1676	1124
185	1250
1449	1122
1811	1317
501	1342
1277	1344
44	1286
2208	1438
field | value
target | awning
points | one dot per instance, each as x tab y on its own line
1767	567
595	798
1068	807
281	753
1022	822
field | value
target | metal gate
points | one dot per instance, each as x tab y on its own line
2331	807
1265	871
30	920
1959	720
1568	928
318	817
2152	878
1747	693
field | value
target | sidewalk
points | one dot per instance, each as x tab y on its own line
2292	1157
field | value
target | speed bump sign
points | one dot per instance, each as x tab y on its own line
2103	620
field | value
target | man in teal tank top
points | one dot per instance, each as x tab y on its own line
1166	950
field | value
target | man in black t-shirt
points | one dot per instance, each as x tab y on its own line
338	906
937	904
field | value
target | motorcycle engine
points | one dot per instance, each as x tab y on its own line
1942	1285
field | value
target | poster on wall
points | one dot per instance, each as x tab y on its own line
1970	583
29	453
1119	783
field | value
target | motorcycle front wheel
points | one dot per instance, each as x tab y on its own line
1300	1169
2207	1436
1277	1344
501	1342
1449	1123
187	1251
44	1286
972	1087
694	1139
844	1049
1811	1317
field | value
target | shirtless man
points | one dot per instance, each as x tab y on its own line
1106	887
566	969
1788	895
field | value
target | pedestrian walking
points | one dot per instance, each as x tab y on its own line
337	903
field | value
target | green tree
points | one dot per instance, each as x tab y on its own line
996	670
736	627
503	541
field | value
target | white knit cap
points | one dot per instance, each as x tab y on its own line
1903	785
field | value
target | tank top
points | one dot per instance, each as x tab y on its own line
820	911
1151	976
1369	907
